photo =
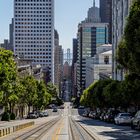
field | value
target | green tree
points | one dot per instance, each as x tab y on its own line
30	94
93	95
129	48
130	89
112	94
21	92
8	77
52	90
43	98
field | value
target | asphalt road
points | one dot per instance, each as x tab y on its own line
70	127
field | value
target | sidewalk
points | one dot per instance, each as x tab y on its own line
13	126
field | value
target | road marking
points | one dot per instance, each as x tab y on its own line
58	130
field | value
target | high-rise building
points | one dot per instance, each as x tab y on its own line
74	67
5	44
56	38
58	61
34	31
93	14
120	12
58	65
11	35
90	36
106	15
66	71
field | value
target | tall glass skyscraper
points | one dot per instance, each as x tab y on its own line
90	36
34	31
106	15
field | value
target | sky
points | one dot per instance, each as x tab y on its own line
68	13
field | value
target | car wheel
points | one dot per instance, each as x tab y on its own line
118	123
138	125
132	126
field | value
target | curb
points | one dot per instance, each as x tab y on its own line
12	129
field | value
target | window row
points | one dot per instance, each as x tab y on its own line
20	15
42	61
18	42
32	4
31	38
30	53
33	50
37	35
37	46
30	12
34	8
32	23
32	19
32	31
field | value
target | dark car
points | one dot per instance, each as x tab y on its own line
54	110
111	116
32	115
135	123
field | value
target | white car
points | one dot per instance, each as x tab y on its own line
123	118
92	114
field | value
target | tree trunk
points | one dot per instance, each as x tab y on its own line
28	108
10	107
22	111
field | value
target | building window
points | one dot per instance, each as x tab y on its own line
106	59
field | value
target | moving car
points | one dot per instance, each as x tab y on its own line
123	118
135	123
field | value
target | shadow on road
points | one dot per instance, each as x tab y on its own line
111	130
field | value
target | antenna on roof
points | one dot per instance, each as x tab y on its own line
93	3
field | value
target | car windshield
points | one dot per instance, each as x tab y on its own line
31	113
125	115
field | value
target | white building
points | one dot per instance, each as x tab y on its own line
102	62
120	10
34	31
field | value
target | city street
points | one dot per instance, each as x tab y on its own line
67	124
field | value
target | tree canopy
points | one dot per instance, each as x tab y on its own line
129	48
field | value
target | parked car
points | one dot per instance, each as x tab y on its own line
123	118
32	115
45	114
135	123
110	115
102	116
54	110
81	107
85	114
41	114
92	114
62	107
